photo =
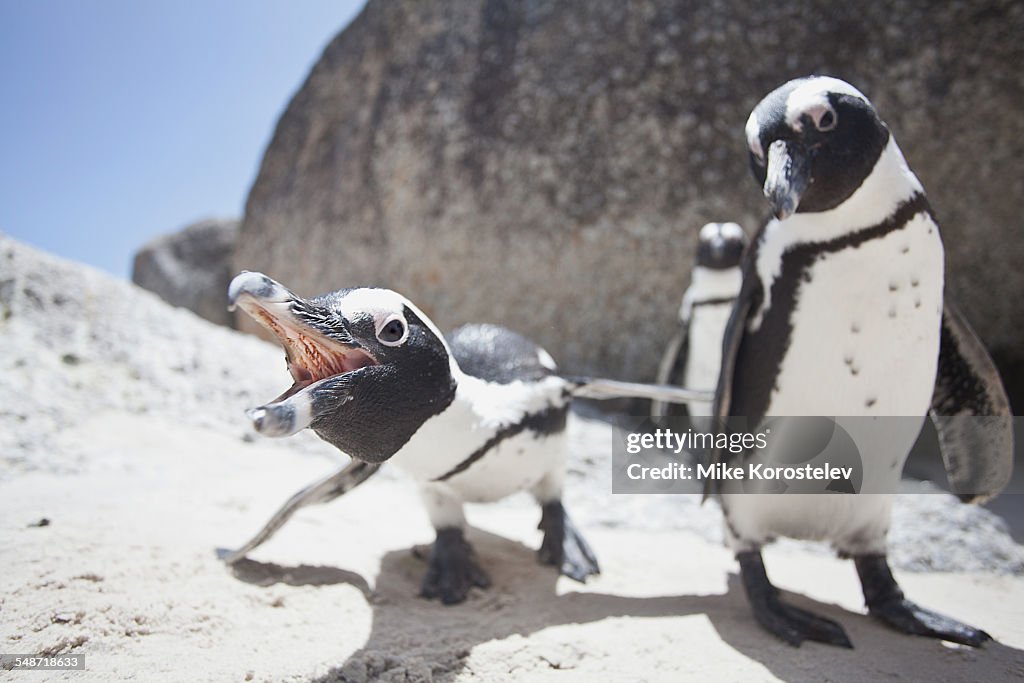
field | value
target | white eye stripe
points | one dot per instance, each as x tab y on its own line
753	132
385	330
813	94
381	303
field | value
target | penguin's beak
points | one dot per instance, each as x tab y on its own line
788	174
322	358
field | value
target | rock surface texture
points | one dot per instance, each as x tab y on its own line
191	268
546	165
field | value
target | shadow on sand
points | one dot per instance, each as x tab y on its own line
268	573
523	600
880	653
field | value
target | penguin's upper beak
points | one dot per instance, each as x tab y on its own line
789	172
249	289
321	357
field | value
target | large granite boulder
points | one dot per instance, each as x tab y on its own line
191	268
546	165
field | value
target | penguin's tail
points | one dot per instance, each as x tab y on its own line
601	389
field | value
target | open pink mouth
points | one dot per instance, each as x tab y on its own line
311	356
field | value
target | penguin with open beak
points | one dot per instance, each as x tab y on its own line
472	418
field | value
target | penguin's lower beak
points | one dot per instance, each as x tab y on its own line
321	359
300	406
788	175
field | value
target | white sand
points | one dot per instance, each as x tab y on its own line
126	574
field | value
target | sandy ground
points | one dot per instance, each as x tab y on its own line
126	574
121	424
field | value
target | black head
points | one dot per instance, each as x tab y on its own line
720	246
812	143
368	367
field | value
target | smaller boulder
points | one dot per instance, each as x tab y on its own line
190	268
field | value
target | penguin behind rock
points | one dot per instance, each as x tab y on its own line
693	357
841	313
473	418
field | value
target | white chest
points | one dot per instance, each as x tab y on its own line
704	350
865	329
483	419
705	308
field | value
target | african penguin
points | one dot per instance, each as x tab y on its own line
841	313
694	354
472	418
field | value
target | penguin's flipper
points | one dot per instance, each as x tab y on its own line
732	339
323	491
563	545
971	413
672	366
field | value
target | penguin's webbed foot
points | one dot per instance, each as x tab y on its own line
885	602
905	616
791	624
453	569
563	545
795	625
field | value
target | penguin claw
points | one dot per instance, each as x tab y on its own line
905	616
776	623
817	628
453	569
563	545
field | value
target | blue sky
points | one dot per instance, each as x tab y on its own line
123	119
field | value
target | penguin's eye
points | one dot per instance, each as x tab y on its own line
393	332
826	121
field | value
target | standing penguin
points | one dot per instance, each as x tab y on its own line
694	355
472	419
841	314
